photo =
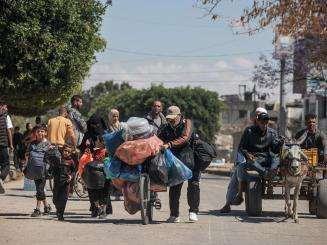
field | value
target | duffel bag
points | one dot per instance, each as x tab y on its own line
204	153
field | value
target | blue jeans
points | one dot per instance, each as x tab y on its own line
268	160
4	162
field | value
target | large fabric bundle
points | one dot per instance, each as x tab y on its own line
132	202
93	175
137	151
138	128
113	141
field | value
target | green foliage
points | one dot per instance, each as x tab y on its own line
198	104
93	94
46	50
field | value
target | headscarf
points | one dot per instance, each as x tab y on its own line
114	127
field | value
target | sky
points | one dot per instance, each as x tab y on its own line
171	42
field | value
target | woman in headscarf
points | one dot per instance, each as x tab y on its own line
114	124
100	203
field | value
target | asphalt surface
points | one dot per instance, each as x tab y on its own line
17	227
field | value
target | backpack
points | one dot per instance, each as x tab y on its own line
204	153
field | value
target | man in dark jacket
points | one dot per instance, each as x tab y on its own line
155	116
311	137
258	150
177	136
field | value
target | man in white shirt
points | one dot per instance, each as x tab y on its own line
5	143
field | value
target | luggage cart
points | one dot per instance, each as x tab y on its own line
148	196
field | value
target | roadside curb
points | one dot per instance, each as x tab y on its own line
223	170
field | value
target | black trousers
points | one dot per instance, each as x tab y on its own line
193	195
4	162
102	196
39	186
60	196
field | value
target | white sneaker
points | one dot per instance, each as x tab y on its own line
193	217
2	189
173	219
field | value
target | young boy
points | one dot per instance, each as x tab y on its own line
62	176
35	168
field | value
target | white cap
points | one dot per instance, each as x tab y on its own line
260	110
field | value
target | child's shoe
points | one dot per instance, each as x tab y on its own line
47	209
36	213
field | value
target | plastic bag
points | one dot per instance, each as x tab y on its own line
138	127
112	167
137	151
130	173
178	172
132	202
113	141
93	175
115	168
158	169
85	159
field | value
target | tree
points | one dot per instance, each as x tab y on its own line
91	95
198	104
46	50
298	19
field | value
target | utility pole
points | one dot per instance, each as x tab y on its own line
282	102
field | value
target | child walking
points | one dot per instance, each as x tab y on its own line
35	169
62	176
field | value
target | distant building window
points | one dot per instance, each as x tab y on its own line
242	113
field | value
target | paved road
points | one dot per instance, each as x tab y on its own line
16	227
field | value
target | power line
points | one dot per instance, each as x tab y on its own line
168	73
168	81
184	56
147	22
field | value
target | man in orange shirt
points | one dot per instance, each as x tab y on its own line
60	129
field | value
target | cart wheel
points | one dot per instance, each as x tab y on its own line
322	199
79	186
146	207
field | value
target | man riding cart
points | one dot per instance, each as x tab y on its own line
314	144
258	150
312	138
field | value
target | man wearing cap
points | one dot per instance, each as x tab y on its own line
177	135
258	149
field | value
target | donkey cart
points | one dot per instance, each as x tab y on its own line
314	188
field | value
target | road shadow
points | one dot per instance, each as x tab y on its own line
14	215
88	220
266	217
20	195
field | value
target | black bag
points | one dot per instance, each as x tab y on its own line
157	169
93	175
204	153
51	159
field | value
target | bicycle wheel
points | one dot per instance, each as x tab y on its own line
146	209
79	186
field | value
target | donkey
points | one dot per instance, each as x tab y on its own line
293	169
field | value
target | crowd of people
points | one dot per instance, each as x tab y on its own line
73	136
